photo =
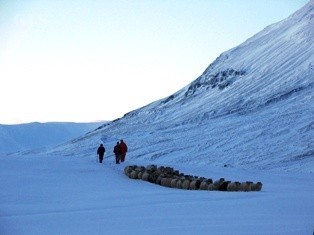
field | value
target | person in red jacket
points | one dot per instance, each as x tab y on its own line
123	150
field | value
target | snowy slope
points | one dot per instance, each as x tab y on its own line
252	107
14	138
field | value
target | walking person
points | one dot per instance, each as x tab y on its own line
123	149
101	152
117	152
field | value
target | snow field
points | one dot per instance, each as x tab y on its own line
69	195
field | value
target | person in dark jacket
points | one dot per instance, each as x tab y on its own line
123	149
101	152
117	153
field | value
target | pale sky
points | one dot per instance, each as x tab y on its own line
81	61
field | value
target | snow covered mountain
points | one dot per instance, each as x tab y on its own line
252	107
14	138
251	111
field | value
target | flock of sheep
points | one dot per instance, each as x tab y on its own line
168	177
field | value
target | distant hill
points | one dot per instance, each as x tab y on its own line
21	137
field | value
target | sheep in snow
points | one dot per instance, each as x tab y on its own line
168	177
173	182
165	182
257	187
246	186
233	186
186	184
223	186
195	184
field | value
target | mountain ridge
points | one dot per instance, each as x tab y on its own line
36	135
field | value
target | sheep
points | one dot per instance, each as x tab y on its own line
223	186
165	182
246	186
150	176
233	186
140	168
140	174
145	176
168	169
173	182
137	172
186	183
153	177
151	167
212	187
257	186
168	177
195	184
217	183
161	169
159	178
204	184
127	170
179	183
134	174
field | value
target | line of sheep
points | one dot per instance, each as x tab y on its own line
168	177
